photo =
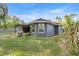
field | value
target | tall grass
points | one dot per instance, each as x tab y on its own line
30	46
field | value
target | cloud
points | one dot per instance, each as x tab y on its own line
49	14
57	11
36	15
26	18
33	4
31	17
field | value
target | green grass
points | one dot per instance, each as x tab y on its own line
30	46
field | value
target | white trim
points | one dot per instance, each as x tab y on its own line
39	28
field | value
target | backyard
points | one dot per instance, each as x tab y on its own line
64	42
29	46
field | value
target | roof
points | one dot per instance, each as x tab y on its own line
44	21
41	20
22	25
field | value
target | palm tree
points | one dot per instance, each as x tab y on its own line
77	31
70	30
77	25
5	12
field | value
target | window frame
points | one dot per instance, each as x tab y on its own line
41	25
33	27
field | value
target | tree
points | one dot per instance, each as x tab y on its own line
71	27
4	9
15	22
70	30
58	19
12	21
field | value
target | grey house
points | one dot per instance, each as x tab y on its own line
42	27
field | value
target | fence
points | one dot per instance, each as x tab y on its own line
7	30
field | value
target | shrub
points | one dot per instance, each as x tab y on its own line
27	34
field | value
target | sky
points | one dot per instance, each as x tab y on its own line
32	11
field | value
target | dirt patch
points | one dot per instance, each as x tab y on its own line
7	36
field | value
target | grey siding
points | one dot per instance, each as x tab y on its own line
60	30
34	33
50	30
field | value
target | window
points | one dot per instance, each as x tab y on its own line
33	28
41	27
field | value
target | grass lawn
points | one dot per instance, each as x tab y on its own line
29	46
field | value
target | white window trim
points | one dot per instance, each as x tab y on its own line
33	28
43	29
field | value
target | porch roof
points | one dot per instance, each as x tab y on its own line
44	21
39	21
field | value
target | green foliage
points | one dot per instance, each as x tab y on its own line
70	27
27	34
10	21
3	16
58	19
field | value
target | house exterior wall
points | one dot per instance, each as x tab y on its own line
49	30
34	33
60	30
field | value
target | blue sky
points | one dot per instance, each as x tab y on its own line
32	11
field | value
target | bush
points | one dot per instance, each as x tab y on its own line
27	34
